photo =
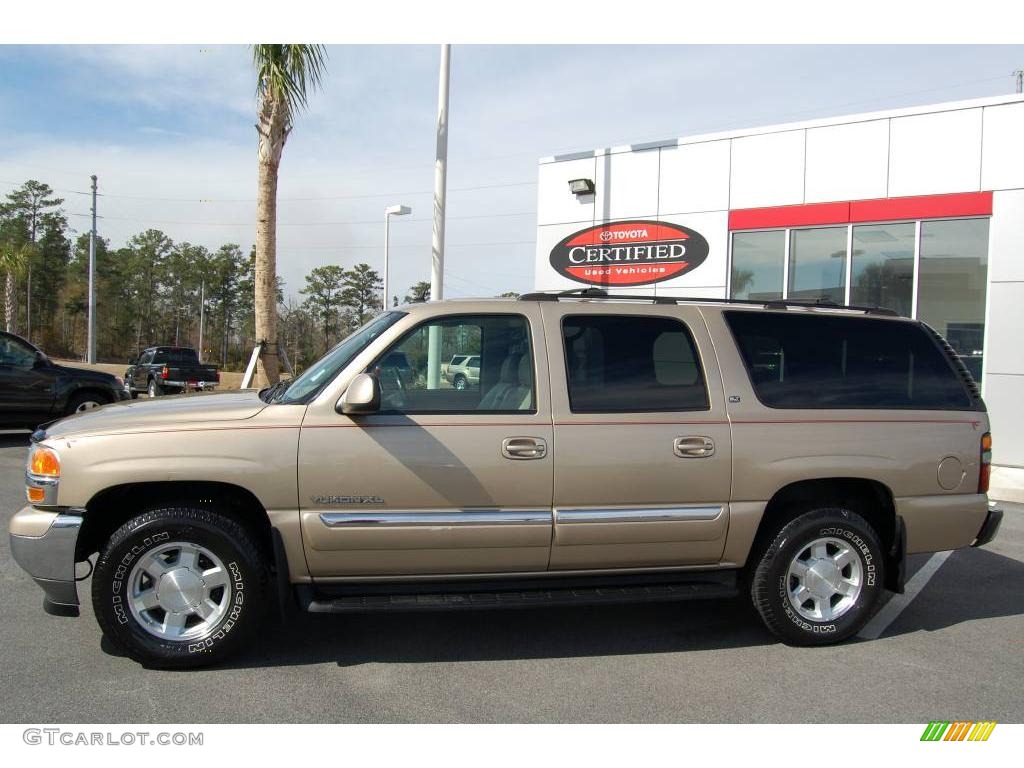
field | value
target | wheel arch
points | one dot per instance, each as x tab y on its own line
869	498
110	508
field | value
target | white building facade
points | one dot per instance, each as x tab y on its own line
920	210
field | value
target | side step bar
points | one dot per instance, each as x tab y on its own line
715	588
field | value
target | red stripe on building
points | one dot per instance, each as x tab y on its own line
855	211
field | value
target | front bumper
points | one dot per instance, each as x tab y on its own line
45	549
989	528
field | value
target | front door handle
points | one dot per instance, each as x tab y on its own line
693	447
524	448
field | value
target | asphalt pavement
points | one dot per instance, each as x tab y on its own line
956	652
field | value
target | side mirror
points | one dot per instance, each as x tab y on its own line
132	361
41	361
361	397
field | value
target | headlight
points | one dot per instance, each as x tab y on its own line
44	462
42	476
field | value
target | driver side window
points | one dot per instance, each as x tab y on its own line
15	354
460	364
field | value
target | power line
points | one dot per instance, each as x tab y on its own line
207	201
247	223
404	245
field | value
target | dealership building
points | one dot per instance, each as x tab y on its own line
920	210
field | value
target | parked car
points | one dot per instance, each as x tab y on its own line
614	451
33	389
463	371
168	371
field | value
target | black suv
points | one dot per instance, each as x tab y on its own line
34	390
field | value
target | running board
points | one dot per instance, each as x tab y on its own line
714	588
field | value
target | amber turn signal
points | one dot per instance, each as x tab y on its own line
35	495
44	462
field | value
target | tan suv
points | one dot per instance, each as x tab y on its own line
615	449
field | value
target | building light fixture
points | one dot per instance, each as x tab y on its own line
581	187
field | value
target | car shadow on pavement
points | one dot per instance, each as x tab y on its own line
972	584
531	633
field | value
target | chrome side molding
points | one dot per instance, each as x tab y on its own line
636	515
441	518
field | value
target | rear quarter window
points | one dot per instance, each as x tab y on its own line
831	361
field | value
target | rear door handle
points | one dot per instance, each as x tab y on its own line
693	447
524	448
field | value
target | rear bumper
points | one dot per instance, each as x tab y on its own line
989	528
47	554
190	385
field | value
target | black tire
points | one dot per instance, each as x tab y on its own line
245	603
154	389
459	382
771	582
84	398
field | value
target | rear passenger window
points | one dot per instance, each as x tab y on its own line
631	363
828	361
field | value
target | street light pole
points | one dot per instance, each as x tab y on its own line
90	342
393	210
202	316
440	193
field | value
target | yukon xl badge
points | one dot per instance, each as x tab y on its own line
629	253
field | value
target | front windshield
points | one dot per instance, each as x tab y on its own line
327	367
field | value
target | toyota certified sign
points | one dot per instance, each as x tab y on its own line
629	253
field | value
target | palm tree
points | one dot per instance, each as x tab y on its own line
284	75
13	259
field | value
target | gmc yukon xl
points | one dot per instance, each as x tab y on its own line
615	449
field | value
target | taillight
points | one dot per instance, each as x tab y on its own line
164	373
985	467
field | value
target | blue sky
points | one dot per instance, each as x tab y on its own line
167	126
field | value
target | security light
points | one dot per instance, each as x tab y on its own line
581	187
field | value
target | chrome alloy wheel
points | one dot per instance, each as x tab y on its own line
825	579
88	405
179	591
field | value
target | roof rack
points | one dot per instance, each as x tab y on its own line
600	293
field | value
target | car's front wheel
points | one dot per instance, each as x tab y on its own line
820	578
84	401
460	382
179	587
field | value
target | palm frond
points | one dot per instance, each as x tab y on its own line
287	73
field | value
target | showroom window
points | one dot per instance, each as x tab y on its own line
756	266
817	264
882	273
952	279
934	270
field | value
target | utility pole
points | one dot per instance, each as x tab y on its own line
1019	74
440	191
202	308
90	342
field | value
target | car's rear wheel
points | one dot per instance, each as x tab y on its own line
179	587
155	390
820	578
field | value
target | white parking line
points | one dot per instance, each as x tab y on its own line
892	609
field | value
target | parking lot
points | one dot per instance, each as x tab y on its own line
955	652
